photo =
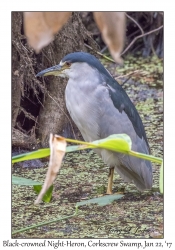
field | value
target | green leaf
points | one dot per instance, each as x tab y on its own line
23	181
101	201
146	157
161	179
117	142
32	155
36	185
47	196
41	153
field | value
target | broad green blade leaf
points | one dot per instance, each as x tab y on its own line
33	155
101	201
36	185
161	179
47	196
117	142
145	156
23	181
41	153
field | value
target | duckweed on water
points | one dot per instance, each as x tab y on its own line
84	176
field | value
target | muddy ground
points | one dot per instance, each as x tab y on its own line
84	176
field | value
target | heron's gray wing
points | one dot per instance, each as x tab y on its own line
115	121
122	102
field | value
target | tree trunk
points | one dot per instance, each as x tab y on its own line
38	106
17	76
53	117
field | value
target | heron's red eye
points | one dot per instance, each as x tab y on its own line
68	64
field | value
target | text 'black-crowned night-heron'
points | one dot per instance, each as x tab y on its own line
100	107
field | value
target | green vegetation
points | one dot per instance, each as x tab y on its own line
119	143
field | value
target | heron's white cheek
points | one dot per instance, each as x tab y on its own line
65	73
62	74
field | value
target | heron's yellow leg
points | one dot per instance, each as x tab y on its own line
110	181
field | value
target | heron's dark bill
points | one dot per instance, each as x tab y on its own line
55	70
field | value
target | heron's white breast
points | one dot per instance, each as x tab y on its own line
83	107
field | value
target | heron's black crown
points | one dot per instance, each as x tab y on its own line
88	58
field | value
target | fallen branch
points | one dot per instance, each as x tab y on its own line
135	23
138	71
137	37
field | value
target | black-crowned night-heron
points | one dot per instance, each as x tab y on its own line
100	107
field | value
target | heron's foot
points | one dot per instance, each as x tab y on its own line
120	190
110	181
109	192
